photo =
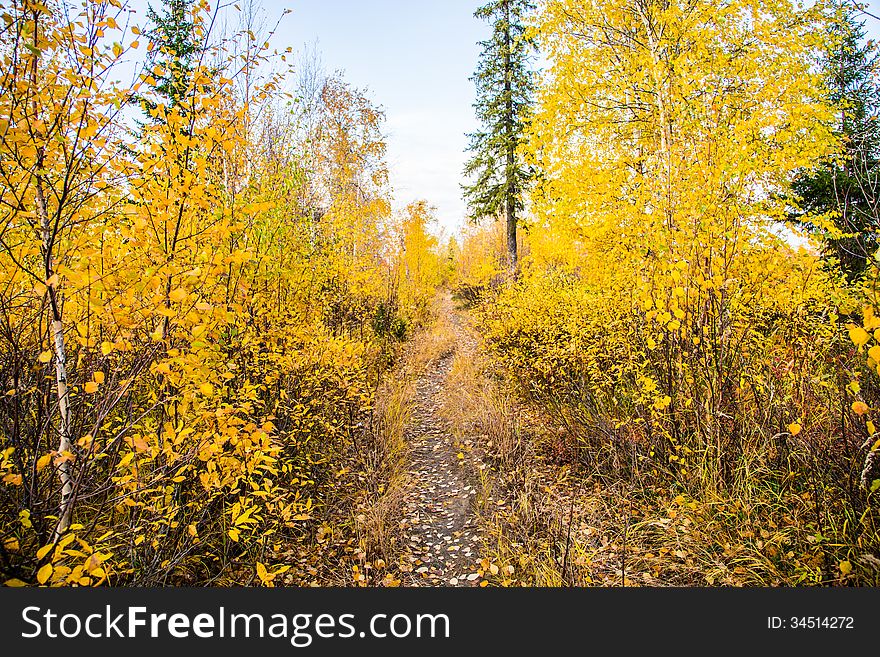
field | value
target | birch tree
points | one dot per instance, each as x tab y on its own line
57	134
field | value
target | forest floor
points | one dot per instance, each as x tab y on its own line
488	500
466	483
442	541
481	486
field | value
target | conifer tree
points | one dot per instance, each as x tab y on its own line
505	90
176	48
849	186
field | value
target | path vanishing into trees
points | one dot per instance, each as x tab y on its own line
441	532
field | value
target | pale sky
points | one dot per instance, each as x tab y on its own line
415	58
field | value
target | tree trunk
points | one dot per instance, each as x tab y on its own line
511	236
57	337
49	232
510	172
65	510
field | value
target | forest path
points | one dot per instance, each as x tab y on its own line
441	534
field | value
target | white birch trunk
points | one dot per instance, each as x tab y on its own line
57	336
66	508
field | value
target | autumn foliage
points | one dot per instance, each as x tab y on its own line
205	293
197	302
663	320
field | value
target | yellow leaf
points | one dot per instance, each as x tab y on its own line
206	389
43	461
92	563
177	295
233	534
794	428
244	518
106	347
14	583
45	356
858	335
63	457
98	377
845	567
44	573
860	407
90	387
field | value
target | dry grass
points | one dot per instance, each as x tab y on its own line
475	405
383	463
384	456
433	342
564	526
510	503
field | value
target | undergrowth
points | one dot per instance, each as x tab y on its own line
583	510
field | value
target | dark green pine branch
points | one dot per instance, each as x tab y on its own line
505	95
848	186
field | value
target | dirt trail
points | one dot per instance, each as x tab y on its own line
440	526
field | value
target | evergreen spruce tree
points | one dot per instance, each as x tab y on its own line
505	91
176	49
849	186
